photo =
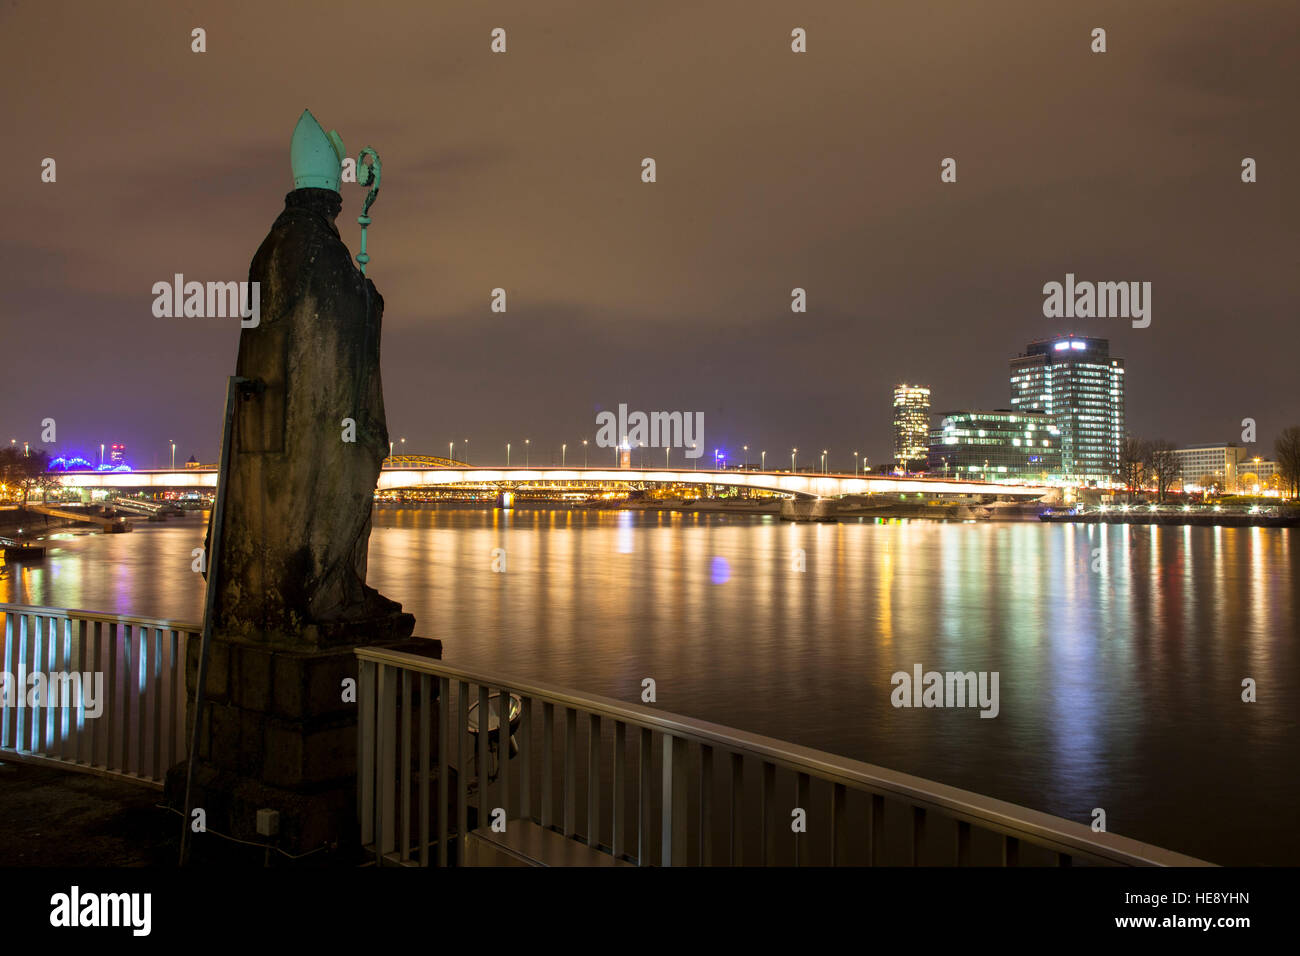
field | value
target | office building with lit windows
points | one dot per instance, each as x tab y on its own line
911	424
996	445
1080	387
1223	467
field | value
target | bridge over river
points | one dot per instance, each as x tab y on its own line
410	472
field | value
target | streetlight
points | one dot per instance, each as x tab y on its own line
390	449
746	447
101	453
451	450
584	453
763	466
667	448
465	442
855	464
564	449
173	454
527	443
507	454
715	459
824	471
792	453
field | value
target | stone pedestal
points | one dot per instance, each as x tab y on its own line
276	733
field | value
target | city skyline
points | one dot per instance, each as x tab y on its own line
625	298
935	413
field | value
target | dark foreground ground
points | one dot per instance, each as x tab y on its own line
54	817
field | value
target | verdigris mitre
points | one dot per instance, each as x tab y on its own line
309	435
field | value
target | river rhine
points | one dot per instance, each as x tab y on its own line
1120	671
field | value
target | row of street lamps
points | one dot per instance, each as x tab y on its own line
859	461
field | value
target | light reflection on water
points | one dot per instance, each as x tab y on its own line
1120	686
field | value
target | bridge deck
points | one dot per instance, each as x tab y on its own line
797	483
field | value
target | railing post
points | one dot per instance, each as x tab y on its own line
444	742
737	809
618	806
1010	851
570	771
593	780
366	751
481	740
765	810
38	660
97	666
673	834
643	801
503	748
918	833
404	851
24	655
387	762
802	796
526	759
7	712
156	688
876	830
706	805
462	770
839	798
426	718
548	764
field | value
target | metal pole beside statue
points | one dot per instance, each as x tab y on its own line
366	174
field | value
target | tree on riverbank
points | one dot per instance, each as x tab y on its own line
1287	451
1133	463
1164	466
26	472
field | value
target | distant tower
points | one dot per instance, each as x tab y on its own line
117	454
1076	381
911	424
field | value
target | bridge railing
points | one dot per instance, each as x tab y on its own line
651	787
124	715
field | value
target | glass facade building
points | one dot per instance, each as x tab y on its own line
998	445
1080	387
911	423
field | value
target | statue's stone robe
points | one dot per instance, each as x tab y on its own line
293	550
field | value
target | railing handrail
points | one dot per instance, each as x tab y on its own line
105	617
988	812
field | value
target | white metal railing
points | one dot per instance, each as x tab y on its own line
140	730
415	734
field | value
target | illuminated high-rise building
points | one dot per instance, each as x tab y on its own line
911	424
117	454
1076	382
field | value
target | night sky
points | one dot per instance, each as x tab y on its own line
775	170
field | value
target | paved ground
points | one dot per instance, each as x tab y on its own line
57	817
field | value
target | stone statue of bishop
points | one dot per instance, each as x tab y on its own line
309	435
